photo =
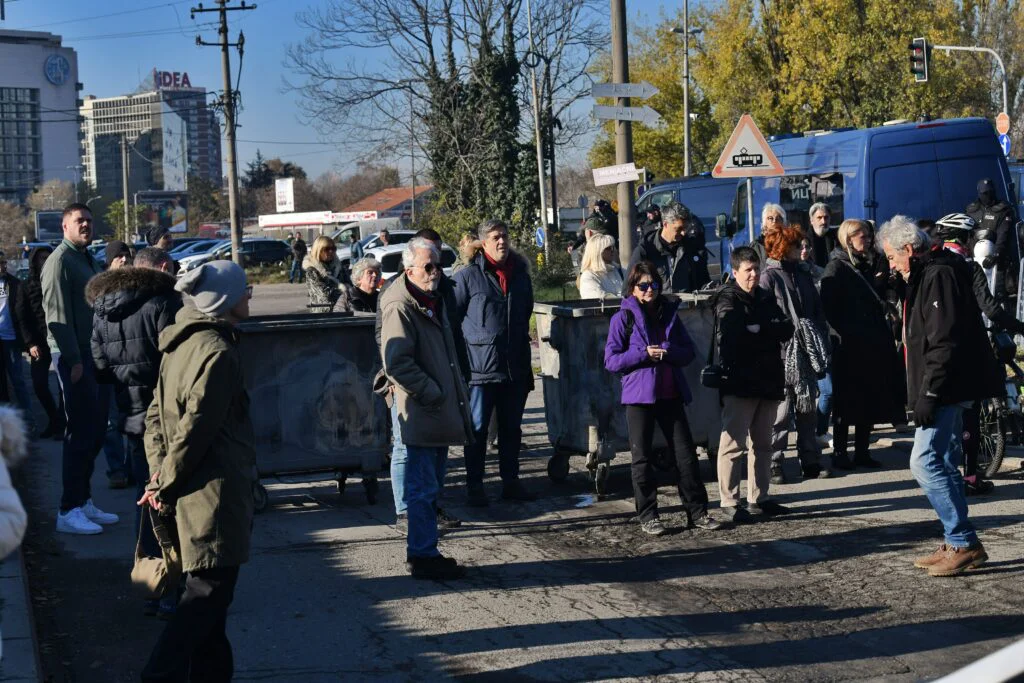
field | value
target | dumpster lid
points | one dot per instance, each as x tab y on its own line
583	308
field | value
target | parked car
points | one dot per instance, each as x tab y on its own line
372	241
256	251
191	248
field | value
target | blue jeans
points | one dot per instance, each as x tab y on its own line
399	458
508	399
935	462
824	402
16	371
113	445
296	270
85	405
420	497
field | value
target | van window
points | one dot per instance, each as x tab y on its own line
660	197
797	194
894	196
958	182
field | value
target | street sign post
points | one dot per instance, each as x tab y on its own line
612	175
641	90
1004	142
644	114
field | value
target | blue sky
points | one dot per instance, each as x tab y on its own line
112	63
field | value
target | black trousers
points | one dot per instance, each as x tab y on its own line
670	416
40	370
861	439
194	646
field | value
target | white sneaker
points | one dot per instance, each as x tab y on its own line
99	516
74	521
824	440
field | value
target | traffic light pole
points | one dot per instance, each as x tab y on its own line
993	53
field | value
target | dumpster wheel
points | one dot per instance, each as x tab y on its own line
558	466
372	487
601	478
260	498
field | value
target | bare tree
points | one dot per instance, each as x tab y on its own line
52	195
15	226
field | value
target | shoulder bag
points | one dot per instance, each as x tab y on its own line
154	577
714	376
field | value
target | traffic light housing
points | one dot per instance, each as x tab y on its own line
919	59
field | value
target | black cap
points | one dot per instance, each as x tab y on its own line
653	207
986	185
115	249
154	235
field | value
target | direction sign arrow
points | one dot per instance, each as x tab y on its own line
641	90
644	114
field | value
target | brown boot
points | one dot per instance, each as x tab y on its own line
929	560
959	560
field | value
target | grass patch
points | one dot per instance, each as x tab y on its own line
266	275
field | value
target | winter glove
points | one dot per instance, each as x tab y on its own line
988	262
924	411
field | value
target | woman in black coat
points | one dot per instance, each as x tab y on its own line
32	324
866	369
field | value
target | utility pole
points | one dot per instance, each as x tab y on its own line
229	100
412	159
686	88
623	131
551	142
124	182
537	135
991	53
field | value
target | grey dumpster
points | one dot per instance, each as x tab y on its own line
581	398
310	379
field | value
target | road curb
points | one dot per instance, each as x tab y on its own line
20	658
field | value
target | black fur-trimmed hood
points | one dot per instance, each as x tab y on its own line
116	294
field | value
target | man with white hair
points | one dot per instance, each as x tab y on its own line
945	341
422	364
823	237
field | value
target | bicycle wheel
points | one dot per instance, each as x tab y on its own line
992	430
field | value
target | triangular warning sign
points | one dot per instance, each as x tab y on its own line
747	154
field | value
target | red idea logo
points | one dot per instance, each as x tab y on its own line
171	79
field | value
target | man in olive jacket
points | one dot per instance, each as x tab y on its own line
421	361
69	331
200	444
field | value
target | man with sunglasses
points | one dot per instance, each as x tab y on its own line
495	300
677	249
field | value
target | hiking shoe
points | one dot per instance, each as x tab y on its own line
841	461
707	522
768	508
437	568
866	460
825	473
978	487
737	515
956	561
824	440
514	490
96	515
74	521
402	524
446	521
653	527
476	497
117	480
934	558
778	476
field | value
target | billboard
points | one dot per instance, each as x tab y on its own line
166	209
48	226
285	189
174	149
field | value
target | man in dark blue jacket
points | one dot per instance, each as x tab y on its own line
494	298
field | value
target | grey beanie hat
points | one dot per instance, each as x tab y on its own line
215	287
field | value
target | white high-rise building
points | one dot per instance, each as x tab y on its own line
39	132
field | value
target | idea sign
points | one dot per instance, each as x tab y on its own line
168	80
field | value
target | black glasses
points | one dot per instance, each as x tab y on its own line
644	286
429	268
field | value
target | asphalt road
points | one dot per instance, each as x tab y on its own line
562	589
278	299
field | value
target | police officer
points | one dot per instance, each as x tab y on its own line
994	221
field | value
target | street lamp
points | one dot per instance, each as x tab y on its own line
687	32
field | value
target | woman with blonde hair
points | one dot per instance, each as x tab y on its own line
600	274
326	277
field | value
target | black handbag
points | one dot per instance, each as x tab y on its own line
714	376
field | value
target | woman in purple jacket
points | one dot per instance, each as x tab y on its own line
649	345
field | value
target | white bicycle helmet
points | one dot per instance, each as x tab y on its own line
951	224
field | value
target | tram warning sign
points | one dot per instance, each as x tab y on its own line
747	154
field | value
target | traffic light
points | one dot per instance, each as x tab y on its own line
919	59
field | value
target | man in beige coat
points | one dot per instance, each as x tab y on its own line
421	361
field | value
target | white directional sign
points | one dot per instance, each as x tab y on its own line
641	90
610	175
747	154
643	114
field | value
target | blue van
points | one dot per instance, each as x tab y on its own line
704	196
922	170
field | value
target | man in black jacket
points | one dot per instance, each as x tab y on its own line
131	306
751	331
949	365
677	250
32	323
823	236
494	296
994	221
299	250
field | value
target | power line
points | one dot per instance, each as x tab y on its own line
111	14
286	142
134	34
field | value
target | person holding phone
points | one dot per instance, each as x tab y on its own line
649	345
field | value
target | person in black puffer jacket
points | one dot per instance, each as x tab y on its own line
677	249
131	306
28	308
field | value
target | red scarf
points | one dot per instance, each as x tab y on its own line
422	298
501	270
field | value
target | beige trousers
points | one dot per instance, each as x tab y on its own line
745	420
